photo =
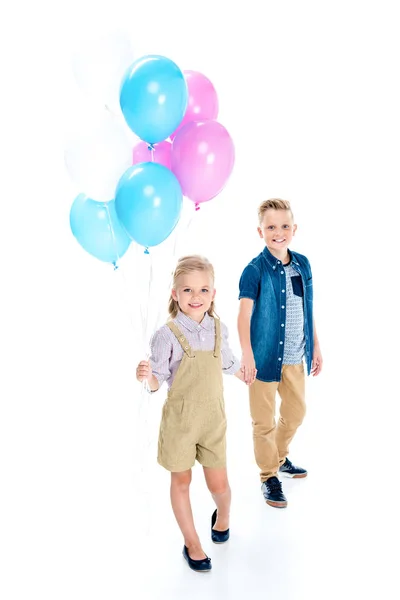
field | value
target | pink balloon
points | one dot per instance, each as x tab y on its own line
203	156
203	100
162	153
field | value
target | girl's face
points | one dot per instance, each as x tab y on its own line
194	293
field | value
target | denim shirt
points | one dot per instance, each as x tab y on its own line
264	281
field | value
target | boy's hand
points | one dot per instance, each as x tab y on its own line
143	371
248	367
316	366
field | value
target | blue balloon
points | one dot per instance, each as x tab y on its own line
148	202
153	97
96	227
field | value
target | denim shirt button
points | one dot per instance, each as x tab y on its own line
279	358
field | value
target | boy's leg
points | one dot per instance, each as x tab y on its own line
262	409
217	483
293	407
180	483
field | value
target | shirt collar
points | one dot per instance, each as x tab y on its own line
275	262
191	325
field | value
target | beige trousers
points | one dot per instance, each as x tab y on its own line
271	439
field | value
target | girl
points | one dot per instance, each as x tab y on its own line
190	353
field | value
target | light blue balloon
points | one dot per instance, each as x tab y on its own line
153	97
96	227
148	202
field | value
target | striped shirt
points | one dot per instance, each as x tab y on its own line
167	353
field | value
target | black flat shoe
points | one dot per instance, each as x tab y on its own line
218	537
202	565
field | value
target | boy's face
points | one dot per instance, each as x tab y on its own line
277	229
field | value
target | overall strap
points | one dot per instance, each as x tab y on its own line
181	339
217	347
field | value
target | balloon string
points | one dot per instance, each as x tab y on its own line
182	234
144	441
143	438
178	235
152	149
146	345
145	385
142	426
142	435
115	262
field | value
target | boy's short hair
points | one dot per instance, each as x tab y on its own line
276	204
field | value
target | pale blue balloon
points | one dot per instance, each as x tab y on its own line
148	202
96	227
153	97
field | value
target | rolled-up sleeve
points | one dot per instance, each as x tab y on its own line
161	350
249	282
230	364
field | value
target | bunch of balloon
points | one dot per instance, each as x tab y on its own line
148	198
200	151
96	155
203	153
99	147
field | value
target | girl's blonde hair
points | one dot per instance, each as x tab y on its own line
275	203
188	264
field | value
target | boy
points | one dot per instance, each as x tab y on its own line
276	331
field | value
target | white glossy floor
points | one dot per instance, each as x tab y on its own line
329	543
79	527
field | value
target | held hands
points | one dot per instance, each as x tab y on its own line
144	372
240	376
248	368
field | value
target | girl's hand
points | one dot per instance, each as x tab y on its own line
143	371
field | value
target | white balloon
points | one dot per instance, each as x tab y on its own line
99	65
98	155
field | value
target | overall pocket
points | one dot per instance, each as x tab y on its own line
174	415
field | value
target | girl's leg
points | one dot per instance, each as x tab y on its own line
180	501
217	483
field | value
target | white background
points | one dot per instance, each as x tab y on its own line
309	94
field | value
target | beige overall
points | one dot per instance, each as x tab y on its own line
193	423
